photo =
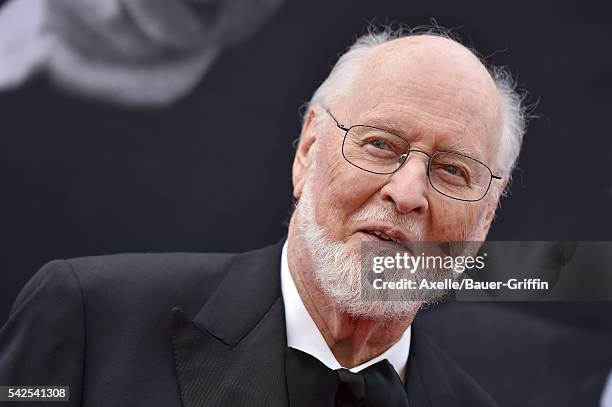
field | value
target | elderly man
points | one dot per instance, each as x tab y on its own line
410	138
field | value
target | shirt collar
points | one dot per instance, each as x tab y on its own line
303	333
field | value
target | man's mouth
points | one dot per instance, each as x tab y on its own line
382	236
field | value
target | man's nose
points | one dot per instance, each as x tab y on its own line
408	187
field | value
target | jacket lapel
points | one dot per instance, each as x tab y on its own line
427	382
232	353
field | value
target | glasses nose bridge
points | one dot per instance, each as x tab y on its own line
404	157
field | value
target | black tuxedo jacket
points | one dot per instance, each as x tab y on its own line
178	329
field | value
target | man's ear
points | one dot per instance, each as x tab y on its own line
304	154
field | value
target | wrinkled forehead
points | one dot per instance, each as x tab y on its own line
432	88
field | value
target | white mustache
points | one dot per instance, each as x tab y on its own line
389	215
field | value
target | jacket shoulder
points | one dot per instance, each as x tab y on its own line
150	269
147	281
46	319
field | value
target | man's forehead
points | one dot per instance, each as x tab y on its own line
430	51
429	82
426	65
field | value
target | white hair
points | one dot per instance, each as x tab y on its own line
341	77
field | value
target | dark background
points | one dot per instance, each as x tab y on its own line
212	173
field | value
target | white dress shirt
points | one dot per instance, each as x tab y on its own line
303	333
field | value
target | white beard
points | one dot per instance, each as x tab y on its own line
338	268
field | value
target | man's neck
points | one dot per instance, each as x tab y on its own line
353	341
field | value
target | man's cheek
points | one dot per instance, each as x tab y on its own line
337	168
449	222
351	189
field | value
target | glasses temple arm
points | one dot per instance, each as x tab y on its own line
340	126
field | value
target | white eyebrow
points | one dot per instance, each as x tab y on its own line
386	125
455	148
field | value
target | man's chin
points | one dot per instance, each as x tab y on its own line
380	310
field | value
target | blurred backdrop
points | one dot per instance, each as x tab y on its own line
211	172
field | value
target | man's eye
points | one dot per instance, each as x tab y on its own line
381	144
453	174
451	169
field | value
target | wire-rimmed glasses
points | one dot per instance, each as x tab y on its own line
379	151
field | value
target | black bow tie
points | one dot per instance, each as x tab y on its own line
312	384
